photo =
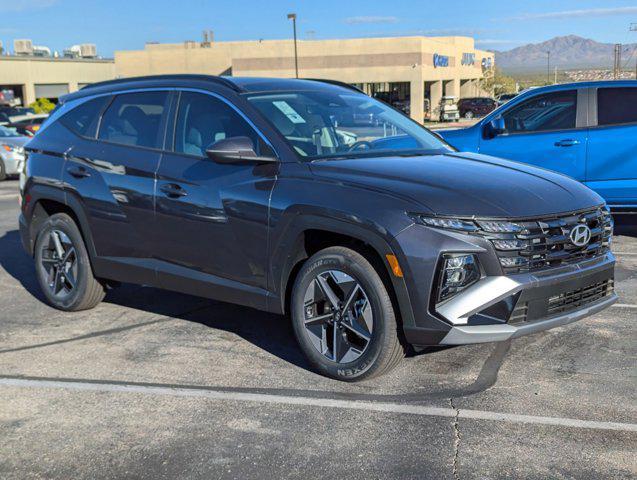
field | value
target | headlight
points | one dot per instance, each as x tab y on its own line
457	272
447	223
11	148
500	227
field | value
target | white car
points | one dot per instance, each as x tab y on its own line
11	152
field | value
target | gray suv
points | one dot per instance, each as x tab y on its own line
375	238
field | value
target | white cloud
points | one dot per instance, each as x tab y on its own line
367	20
23	5
568	14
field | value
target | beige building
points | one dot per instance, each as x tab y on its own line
408	71
412	73
46	77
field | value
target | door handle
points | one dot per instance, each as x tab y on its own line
569	142
173	190
78	172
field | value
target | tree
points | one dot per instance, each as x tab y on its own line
498	83
42	105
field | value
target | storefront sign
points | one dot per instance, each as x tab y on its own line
441	60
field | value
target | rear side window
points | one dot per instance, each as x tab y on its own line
551	111
134	119
616	106
83	119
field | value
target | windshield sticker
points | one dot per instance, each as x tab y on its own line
289	112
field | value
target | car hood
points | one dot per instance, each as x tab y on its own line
463	184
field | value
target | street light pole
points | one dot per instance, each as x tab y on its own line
548	67
292	16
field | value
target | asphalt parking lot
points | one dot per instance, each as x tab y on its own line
154	384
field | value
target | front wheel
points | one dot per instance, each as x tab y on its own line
63	267
468	115
343	316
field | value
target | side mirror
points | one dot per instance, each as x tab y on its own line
236	150
496	127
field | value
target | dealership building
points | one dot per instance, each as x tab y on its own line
32	77
410	72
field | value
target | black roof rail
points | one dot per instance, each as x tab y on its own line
210	78
337	83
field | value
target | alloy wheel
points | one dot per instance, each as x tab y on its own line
59	262
338	317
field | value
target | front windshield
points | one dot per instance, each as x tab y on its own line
8	132
319	124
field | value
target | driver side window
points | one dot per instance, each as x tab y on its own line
551	111
203	120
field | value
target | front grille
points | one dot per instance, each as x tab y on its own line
567	301
545	242
519	313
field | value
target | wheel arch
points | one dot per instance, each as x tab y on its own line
311	235
47	201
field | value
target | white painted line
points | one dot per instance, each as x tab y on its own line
626	254
624	305
8	196
384	407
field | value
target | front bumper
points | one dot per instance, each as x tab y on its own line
543	300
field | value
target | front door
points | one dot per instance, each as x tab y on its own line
212	218
543	131
612	148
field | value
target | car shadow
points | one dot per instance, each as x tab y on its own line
271	333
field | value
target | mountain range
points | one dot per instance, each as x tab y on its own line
567	52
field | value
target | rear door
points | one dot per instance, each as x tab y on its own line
114	178
212	218
547	130
612	150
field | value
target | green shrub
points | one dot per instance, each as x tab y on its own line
42	105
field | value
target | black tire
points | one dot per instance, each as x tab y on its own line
3	171
468	115
87	291
383	350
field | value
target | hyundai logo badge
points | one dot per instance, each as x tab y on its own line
580	235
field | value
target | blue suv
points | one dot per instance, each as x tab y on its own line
585	130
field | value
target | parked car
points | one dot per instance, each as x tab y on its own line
28	125
585	130
448	109
11	152
476	107
10	114
238	189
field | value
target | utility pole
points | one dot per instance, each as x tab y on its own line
618	61
633	28
548	67
292	16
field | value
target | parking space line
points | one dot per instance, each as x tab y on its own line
370	406
625	254
624	305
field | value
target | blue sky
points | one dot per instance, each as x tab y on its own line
496	24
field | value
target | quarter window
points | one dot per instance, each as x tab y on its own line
82	120
616	106
552	111
134	119
203	120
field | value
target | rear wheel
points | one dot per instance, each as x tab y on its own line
343	316
3	171
63	267
468	115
